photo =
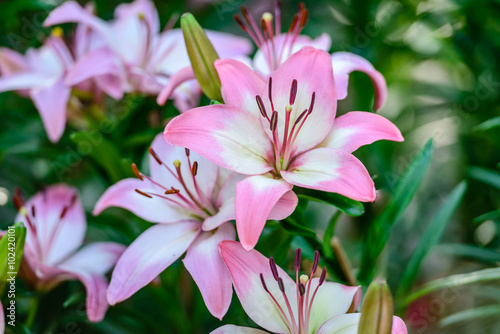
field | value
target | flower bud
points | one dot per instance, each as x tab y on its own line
377	310
11	252
202	56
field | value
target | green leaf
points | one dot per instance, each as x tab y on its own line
471	314
102	151
431	237
11	252
484	175
472	252
492	215
327	237
346	205
292	226
379	230
484	275
488	125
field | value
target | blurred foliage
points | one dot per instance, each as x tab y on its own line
441	61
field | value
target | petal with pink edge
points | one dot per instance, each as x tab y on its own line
358	128
349	323
312	69
225	135
344	63
245	268
256	196
332	300
204	263
11	62
231	329
155	209
51	102
332	171
175	81
151	253
240	85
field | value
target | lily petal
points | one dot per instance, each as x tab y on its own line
231	329
332	300
344	63
284	207
11	62
256	196
175	81
245	269
312	69
155	209
332	171
2	319
151	253
357	128
240	85
227	136
204	263
51	102
348	324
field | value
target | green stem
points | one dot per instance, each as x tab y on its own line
35	302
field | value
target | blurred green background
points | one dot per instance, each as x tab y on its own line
441	62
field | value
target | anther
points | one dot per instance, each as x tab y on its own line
143	193
303	18
311	106
300	117
288	109
240	22
302	289
172	191
18	199
153	153
274	268
263	283
270	92
274	121
322	277
136	172
293	91
267	17
33	212
298	254
187	151
262	108
315	262
293	23
194	169
281	285
303	279
63	212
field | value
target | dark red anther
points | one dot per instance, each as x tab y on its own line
194	169
262	108
263	282
33	211
302	289
153	153
136	172
293	23
18	199
263	25
311	106
172	191
187	152
73	200
143	193
322	277
63	212
274	121
240	22
315	262
270	92
281	285
298	254
303	18
245	13
293	91
274	268
300	117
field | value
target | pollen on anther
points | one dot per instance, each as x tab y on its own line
172	191
194	169
274	121
177	163
143	193
303	279
293	91
274	268
136	172
153	154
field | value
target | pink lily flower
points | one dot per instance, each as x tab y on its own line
190	200
282	132
133	49
2	319
55	222
274	47
280	304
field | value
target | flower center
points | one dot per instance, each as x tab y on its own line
303	289
283	145
264	36
194	201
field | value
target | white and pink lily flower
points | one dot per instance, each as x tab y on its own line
274	47
191	202
279	304
282	132
53	252
133	49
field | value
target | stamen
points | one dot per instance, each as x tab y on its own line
322	277
315	263
274	268
287	321
293	91
281	285
299	118
18	199
194	169
298	254
187	152
304	279
274	121
262	108
311	106
270	90
63	212
277	14
263	282
177	164
154	155
33	211
302	289
172	191
143	193
136	172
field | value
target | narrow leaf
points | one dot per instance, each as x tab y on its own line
484	175
346	205
471	252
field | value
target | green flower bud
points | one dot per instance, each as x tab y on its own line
202	55
11	252
377	310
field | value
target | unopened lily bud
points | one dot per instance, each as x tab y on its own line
202	55
11	252
377	310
